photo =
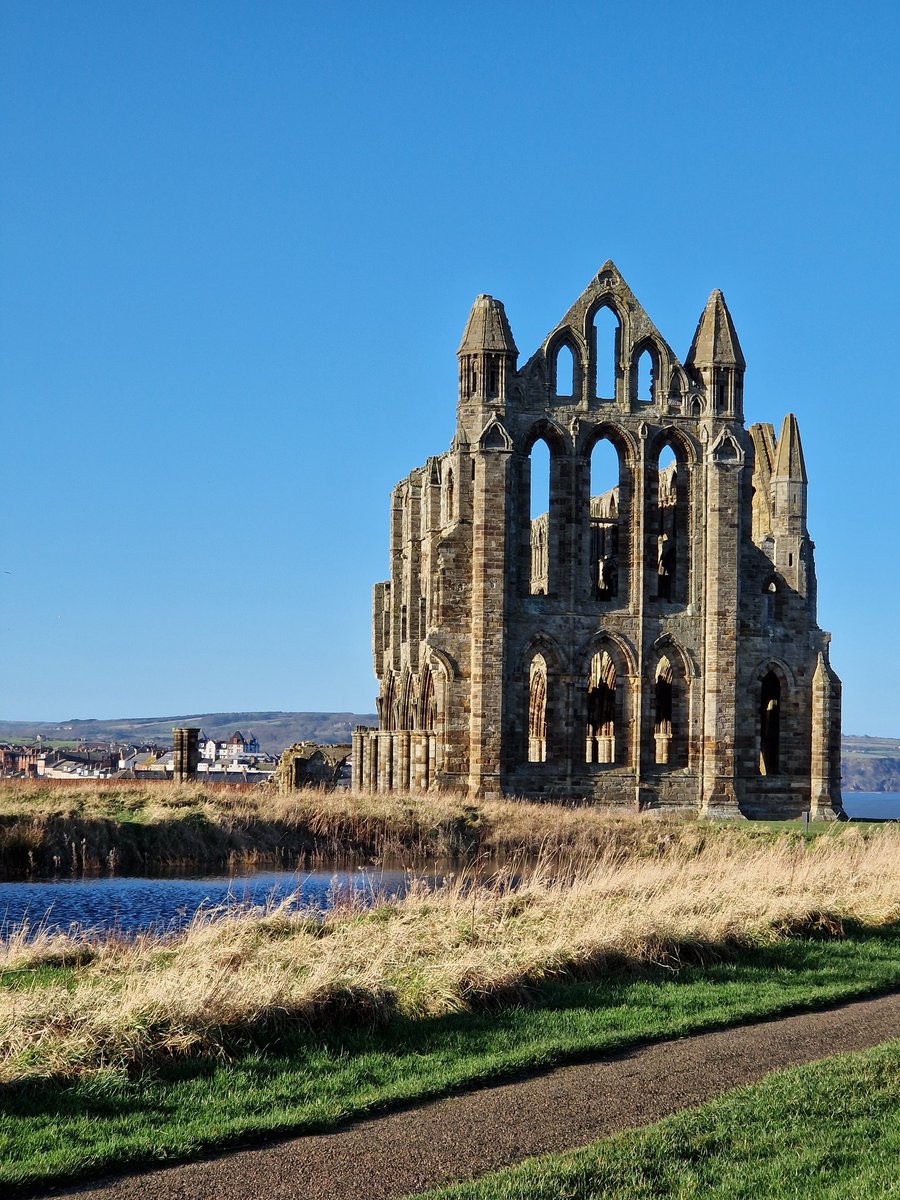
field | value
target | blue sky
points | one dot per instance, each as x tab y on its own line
238	244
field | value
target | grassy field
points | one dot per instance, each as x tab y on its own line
310	1080
826	1131
471	942
115	1052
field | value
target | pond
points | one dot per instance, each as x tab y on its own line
129	905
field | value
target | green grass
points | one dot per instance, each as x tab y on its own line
21	978
103	1122
826	1131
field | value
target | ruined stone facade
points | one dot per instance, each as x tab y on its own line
309	764
651	642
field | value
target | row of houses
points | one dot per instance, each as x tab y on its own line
237	756
229	760
237	748
37	762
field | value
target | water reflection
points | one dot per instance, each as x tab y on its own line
131	904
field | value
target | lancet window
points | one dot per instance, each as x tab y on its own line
428	702
667	743
565	371
770	724
604	522
537	710
663	714
600	744
605	348
645	370
539	475
668	528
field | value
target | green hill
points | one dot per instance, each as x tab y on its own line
274	730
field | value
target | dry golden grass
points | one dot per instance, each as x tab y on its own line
48	826
432	952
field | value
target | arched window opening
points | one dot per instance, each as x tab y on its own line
601	710
604	521
565	371
696	408
403	623
537	710
450	498
773	603
664	709
667	525
646	378
606	352
493	377
429	703
408	716
540	518
770	724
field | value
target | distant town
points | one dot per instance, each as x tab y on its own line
236	758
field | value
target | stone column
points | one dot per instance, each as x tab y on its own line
384	741
370	761
722	561
825	789
358	741
417	751
401	774
489	542
186	753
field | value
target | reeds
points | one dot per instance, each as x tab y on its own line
91	826
231	978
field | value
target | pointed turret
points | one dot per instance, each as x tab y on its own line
716	360
793	547
789	462
764	453
487	328
487	357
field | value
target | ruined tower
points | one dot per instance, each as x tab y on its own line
646	638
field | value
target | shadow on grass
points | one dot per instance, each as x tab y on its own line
555	1022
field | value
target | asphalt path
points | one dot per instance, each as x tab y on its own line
469	1134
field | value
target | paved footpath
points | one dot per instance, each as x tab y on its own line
469	1134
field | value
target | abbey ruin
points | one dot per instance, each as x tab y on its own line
644	634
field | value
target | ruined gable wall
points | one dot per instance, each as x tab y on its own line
685	630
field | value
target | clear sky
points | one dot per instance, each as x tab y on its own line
238	244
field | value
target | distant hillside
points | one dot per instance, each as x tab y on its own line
275	730
870	764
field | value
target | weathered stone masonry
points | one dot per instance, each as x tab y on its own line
651	645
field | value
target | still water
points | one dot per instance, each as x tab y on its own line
131	904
